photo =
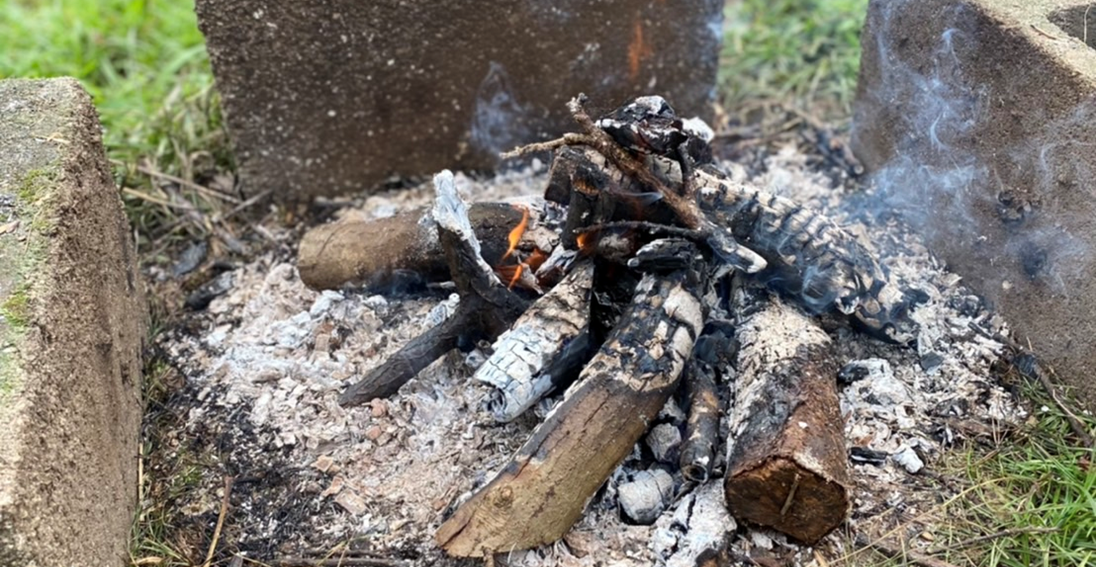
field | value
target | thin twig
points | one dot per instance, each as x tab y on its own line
568	139
220	521
185	206
988	537
1043	33
242	206
149	171
1041	375
341	562
901	553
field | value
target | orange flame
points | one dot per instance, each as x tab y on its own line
583	240
516	234
517	276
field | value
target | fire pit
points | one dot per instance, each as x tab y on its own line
659	269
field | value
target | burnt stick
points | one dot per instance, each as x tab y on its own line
486	309
538	496
702	425
809	258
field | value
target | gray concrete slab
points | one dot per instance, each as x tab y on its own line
974	117
72	325
330	96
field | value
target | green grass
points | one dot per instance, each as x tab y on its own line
1038	488
145	65
800	52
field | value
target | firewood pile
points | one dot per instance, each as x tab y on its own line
648	286
656	361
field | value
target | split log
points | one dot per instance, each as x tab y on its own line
395	251
540	494
786	462
486	309
544	347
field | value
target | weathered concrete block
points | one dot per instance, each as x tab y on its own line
975	118
72	325
328	96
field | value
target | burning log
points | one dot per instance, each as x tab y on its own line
397	250
540	494
545	346
486	307
786	463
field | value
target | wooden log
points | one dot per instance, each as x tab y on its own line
786	463
545	345
807	257
540	494
397	250
486	309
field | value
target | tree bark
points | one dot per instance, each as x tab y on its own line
393	251
786	463
540	494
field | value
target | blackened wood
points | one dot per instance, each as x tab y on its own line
542	346
539	495
702	425
486	309
786	462
388	252
807	256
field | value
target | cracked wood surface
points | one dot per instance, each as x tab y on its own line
786	462
542	491
541	347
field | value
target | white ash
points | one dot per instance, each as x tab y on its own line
266	362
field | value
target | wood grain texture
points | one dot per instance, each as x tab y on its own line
539	495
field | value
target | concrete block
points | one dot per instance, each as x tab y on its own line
329	96
975	119
72	325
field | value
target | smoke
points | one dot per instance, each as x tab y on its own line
498	116
996	197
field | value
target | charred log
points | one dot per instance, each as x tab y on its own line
487	307
545	346
786	463
540	494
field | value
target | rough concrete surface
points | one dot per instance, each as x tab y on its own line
975	119
329	96
72	325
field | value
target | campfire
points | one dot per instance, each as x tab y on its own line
662	274
659	361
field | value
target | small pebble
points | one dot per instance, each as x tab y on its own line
908	459
373	433
644	498
664	439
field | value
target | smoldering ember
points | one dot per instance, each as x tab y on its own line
636	353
